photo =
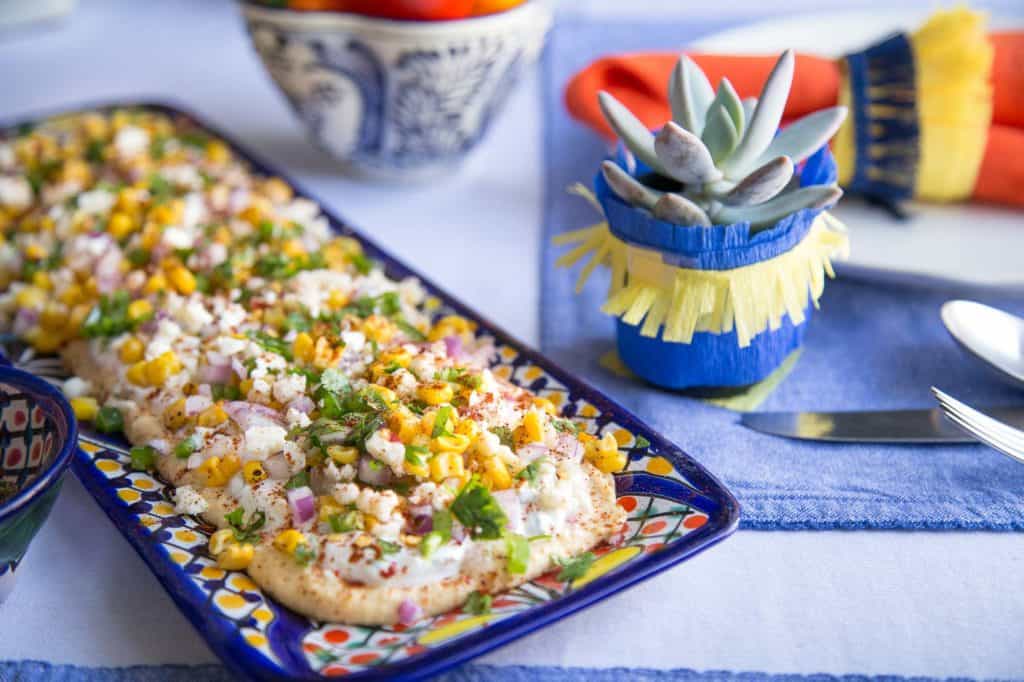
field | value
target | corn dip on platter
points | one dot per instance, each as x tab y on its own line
357	457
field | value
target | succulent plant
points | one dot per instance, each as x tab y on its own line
719	159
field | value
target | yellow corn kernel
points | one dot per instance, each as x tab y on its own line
343	454
54	317
496	474
456	443
209	468
163	214
417	470
85	408
327	507
435	392
220	540
252	214
127	201
378	328
91	288
217	151
30	297
609	462
468	428
586	437
287	540
94	126
221	472
245	385
35	252
396	356
42	280
174	415
75	170
446	465
139	310
293	248
451	325
72	295
337	299
131	350
254	472
404	423
136	374
427	423
533	427
383	392
277	189
302	347
214	415
545	404
236	557
120	225
161	367
324	354
157	282
182	279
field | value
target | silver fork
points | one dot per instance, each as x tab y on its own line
991	432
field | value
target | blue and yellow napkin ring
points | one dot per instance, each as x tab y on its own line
708	306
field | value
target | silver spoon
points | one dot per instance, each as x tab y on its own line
993	336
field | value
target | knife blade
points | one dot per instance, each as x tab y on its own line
882	426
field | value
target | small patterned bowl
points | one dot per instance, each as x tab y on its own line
398	100
38	433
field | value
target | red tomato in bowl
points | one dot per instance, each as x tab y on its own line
411	10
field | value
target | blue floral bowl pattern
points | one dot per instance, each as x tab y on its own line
37	436
391	98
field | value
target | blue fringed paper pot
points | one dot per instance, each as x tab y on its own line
719	306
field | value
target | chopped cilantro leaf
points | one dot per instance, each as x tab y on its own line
517	550
478	511
299	480
245	532
565	426
415	454
388	547
304	554
574	569
409	330
478	603
441	421
531	470
345	522
504	435
271	343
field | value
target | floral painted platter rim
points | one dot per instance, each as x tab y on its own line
271	641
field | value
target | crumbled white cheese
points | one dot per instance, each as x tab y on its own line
194	316
382	448
288	387
346	493
229	345
296	418
15	193
178	238
95	201
131	141
377	503
262	441
188	501
76	387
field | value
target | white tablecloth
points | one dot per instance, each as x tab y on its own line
935	604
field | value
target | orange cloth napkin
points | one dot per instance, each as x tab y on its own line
639	81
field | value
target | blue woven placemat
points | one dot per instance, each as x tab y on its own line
38	671
872	346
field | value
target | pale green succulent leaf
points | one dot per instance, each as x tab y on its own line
628	188
683	156
630	130
727	97
765	119
690	95
720	134
761	185
774	210
749	104
679	210
802	138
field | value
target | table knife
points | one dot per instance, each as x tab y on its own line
890	426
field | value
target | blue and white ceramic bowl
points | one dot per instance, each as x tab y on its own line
37	436
397	99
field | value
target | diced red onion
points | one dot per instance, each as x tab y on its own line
453	346
278	467
194	404
510	504
215	374
303	504
239	368
458	531
376	474
238	200
409	612
569	445
205	389
24	319
532	451
303	404
248	414
421	519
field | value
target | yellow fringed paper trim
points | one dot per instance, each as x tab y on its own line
680	302
952	64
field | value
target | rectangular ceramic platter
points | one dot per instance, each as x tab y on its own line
675	508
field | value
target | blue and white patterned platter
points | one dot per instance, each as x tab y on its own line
675	509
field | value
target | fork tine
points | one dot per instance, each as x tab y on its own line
1005	439
988	439
987	423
